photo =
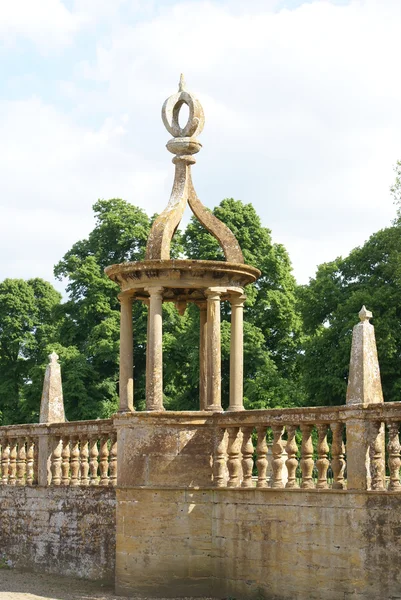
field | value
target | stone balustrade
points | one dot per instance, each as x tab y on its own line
83	453
311	437
380	417
68	454
19	455
314	441
231	449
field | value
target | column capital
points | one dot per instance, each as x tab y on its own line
125	299
213	293
155	291
237	299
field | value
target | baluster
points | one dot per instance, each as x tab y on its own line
234	457
93	462
394	460
104	460
13	462
277	451
65	461
84	461
376	448
337	453
35	460
220	458
322	462
247	456
56	461
21	462
113	459
74	461
261	456
292	461
5	461
30	457
307	456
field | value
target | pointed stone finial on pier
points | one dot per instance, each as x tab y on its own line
52	403
365	439
364	384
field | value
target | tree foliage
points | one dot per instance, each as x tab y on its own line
29	325
370	275
84	330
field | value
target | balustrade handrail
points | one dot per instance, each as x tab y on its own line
384	412
81	427
24	430
78	427
298	415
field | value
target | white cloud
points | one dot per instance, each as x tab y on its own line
302	117
52	173
47	23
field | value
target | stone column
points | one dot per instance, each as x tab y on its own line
126	355
213	351
203	356
364	388
237	354
154	350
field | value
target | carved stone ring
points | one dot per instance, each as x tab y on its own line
171	109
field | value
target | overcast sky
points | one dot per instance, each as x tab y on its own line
302	103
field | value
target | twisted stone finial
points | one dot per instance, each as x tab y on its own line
364	314
184	144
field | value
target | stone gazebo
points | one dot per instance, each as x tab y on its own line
206	283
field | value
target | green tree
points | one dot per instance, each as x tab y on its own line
370	275
273	328
395	189
90	333
29	328
90	330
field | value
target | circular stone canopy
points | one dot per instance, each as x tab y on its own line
182	280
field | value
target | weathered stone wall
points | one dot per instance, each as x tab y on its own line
278	545
69	531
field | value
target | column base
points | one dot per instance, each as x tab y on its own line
235	408
122	411
213	408
154	409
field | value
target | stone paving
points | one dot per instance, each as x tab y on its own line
19	585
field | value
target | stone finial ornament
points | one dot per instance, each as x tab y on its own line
184	145
364	314
52	403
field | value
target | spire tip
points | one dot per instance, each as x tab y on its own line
365	314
